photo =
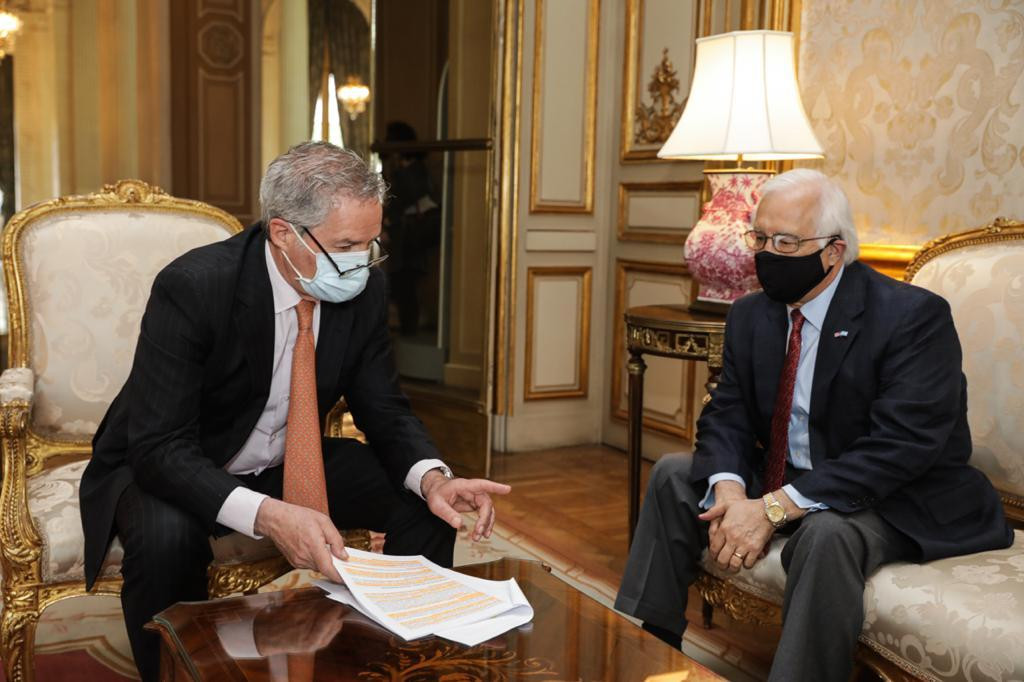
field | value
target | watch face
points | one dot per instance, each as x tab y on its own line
775	513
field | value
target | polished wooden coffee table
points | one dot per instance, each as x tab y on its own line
302	635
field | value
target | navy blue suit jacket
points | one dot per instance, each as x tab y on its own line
201	377
888	423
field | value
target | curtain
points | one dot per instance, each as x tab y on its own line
344	29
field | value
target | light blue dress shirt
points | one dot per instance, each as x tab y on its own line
814	312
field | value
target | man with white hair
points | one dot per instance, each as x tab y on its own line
245	346
839	419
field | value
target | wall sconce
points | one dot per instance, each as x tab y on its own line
354	95
10	24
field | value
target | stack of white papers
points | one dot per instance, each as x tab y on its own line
414	597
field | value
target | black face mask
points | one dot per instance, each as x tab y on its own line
787	279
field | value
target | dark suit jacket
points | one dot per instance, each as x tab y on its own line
888	423
201	377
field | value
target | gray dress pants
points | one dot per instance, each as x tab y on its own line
827	560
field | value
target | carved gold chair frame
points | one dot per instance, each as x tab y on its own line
26	453
749	608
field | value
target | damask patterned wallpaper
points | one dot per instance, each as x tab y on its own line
918	104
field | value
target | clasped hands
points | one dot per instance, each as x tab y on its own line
738	530
308	538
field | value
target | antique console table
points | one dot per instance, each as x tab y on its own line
671	331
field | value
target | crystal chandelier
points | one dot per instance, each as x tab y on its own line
10	24
354	95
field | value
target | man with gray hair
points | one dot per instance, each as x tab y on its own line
245	346
839	419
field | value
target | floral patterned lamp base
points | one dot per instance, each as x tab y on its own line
715	252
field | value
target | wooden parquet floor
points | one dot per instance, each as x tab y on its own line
573	500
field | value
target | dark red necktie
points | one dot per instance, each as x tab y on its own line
775	466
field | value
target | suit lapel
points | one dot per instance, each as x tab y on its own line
769	353
838	334
332	339
254	317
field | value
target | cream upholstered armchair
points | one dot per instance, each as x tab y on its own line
959	619
78	272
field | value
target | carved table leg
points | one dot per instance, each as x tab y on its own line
636	368
715	343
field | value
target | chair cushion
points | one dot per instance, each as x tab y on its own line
53	505
960	618
957	619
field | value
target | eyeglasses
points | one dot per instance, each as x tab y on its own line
377	254
783	242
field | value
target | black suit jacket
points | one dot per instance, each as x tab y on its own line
201	377
888	424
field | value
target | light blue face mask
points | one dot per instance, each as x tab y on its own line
326	284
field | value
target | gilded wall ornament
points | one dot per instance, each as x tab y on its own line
655	121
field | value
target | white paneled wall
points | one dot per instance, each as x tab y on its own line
600	224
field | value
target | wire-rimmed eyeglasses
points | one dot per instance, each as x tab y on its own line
377	254
782	241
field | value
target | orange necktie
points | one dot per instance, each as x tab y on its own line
304	481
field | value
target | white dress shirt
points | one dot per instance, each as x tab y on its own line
265	446
799	455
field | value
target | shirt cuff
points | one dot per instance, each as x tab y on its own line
418	471
709	499
239	511
801	501
238	639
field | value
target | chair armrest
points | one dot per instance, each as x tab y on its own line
19	539
17	385
339	423
17	391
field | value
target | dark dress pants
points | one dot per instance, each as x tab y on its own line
827	561
167	550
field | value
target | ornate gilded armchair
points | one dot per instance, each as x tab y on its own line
78	272
962	618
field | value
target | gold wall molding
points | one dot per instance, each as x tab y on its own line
583	276
683	426
889	259
656	234
506	99
541	160
637	142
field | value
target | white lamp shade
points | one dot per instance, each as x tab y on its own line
744	101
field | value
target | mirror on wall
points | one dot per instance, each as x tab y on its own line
432	95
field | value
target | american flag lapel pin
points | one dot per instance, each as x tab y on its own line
841	333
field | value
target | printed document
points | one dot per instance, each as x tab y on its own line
414	597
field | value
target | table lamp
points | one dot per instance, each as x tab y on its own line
744	105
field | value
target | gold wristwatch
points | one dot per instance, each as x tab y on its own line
775	512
